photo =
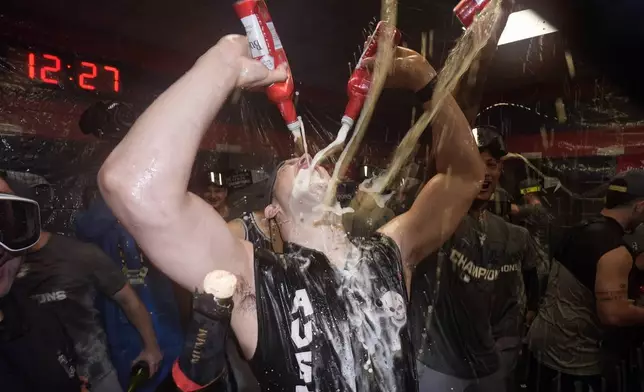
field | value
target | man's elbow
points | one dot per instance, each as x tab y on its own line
111	181
124	197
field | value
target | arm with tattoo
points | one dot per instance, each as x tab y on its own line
611	290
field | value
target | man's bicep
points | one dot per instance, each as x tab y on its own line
191	243
611	282
432	219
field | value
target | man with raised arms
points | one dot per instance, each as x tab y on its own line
328	314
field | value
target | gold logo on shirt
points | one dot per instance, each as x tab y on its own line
135	276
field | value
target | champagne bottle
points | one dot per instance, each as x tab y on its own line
138	376
202	365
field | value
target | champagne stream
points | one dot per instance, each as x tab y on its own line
384	58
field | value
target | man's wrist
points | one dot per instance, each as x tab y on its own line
151	345
223	65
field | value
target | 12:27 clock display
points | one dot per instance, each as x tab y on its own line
52	69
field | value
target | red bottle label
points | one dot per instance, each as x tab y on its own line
266	46
360	81
466	10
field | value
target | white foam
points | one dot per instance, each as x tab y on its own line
221	284
376	326
338	142
334	209
374	188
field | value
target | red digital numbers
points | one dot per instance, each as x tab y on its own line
32	66
117	81
46	68
91	75
48	71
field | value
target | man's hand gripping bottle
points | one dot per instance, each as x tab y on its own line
265	46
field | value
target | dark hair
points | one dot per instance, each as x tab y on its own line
270	184
615	199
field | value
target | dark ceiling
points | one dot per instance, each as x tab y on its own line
321	38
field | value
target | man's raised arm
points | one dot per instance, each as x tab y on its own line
145	178
446	198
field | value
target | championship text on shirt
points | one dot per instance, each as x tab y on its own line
471	270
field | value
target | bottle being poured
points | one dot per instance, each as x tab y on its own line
202	365
467	10
266	46
357	90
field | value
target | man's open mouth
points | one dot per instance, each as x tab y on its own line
485	186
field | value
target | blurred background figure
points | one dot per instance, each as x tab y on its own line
583	331
212	187
98	225
64	275
534	214
37	353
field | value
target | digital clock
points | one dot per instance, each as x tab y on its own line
63	71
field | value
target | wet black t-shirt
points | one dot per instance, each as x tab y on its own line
586	243
253	233
323	329
63	277
469	294
36	355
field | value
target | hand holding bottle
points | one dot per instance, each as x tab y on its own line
152	357
139	375
252	73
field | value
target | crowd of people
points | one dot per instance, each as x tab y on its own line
460	290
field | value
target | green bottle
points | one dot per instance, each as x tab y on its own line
138	376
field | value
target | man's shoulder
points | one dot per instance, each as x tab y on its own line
599	229
381	241
596	236
73	244
517	230
70	248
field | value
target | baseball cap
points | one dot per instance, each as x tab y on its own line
488	139
625	187
530	185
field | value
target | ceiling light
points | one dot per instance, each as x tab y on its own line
523	25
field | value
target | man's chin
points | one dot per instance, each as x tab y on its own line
484	196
